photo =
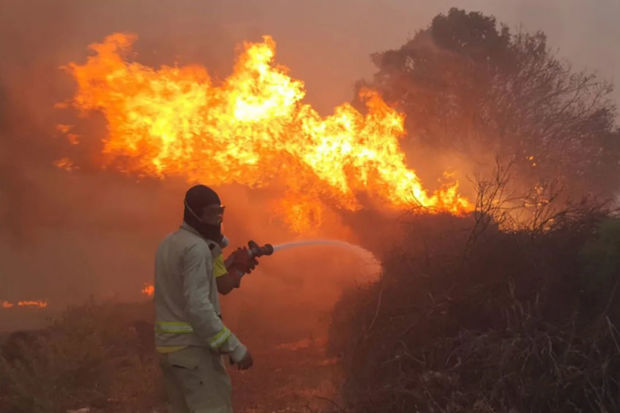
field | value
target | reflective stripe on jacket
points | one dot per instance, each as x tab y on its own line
187	307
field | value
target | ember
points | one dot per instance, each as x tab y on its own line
148	290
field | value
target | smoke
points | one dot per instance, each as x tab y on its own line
291	293
67	235
88	231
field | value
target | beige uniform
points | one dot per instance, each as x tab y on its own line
189	331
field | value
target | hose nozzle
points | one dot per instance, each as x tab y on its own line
258	251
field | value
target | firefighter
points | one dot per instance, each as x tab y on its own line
189	332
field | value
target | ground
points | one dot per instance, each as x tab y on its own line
297	377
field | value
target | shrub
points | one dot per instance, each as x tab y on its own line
518	321
93	355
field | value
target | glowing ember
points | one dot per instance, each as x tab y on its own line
251	129
25	303
66	164
148	290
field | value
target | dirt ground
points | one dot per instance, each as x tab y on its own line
297	377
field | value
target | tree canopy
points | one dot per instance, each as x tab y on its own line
470	85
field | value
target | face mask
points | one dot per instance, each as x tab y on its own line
209	231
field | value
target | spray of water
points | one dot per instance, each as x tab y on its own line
371	267
294	244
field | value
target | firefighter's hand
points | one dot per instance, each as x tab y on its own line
246	362
241	260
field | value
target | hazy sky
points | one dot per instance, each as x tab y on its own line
326	43
585	33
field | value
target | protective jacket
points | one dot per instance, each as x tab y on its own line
187	307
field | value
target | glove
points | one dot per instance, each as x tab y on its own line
241	260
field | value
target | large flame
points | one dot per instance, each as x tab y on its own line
251	129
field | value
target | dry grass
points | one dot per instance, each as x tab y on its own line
95	355
518	321
101	356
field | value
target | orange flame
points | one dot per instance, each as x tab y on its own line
148	290
32	303
252	129
25	303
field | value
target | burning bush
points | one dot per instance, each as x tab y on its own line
515	320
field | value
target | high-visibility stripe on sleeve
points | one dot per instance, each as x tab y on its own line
219	268
220	338
173	327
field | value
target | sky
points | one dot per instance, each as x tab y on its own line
65	236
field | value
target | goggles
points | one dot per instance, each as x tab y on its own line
215	209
